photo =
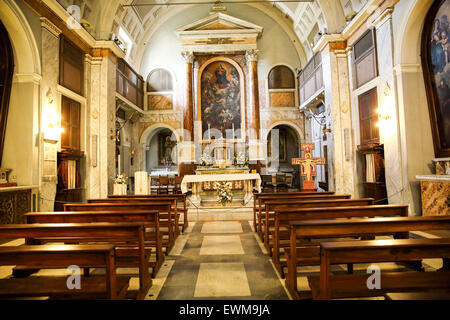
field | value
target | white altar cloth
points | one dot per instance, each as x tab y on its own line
221	177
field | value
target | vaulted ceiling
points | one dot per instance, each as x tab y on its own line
303	19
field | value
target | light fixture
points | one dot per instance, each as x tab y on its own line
51	125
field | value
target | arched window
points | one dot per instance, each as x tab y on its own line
281	82
160	90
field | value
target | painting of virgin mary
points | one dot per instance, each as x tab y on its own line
220	98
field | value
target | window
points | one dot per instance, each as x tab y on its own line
281	81
160	90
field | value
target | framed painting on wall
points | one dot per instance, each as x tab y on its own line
436	70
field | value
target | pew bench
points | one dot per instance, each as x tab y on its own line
112	233
268	219
289	198
62	256
399	227
153	239
179	198
327	286
167	222
280	235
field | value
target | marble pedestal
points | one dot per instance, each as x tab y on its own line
435	191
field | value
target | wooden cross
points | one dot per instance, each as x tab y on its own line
308	166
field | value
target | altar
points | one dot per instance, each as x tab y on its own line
243	183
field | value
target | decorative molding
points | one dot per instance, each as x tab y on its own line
334	41
27	77
47	24
251	55
408	68
188	56
385	16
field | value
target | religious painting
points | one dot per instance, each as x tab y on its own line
221	98
165	148
436	65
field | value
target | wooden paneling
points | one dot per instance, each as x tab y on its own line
368	117
13	205
310	78
71	72
70	124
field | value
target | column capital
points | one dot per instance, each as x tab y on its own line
385	16
188	56
251	55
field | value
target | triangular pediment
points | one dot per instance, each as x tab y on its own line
219	22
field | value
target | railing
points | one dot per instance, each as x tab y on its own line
310	78
129	84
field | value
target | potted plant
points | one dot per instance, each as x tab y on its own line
120	184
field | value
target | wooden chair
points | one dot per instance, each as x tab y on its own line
267	184
281	182
163	183
177	185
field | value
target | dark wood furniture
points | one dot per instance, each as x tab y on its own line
61	256
150	219
163	185
167	220
328	286
114	233
178	198
323	229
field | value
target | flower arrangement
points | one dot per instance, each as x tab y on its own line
121	179
241	157
224	194
205	160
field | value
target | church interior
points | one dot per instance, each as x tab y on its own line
224	150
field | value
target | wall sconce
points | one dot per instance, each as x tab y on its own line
385	109
52	125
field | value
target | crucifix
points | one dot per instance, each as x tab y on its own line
308	166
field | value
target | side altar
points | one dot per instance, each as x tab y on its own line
204	184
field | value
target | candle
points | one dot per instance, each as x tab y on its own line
233	130
209	131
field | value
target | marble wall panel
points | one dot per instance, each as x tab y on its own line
282	99
160	102
435	198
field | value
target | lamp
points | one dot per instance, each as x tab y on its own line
51	125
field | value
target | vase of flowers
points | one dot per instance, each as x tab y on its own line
224	194
120	185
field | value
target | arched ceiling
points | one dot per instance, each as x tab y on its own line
303	21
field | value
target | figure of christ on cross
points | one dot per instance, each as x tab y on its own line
308	166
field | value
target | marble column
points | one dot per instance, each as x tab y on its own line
49	108
188	115
387	101
337	103
187	151
252	111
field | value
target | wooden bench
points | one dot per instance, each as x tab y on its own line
166	220
296	197
62	256
150	219
323	229
280	237
132	232
257	195
174	209
179	198
268	220
423	295
327	286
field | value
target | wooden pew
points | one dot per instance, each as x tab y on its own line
62	256
114	233
268	221
129	200
323	229
327	286
284	216
178	198
164	208
257	195
149	218
296	197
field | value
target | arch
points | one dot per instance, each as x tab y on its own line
149	131
22	39
168	86
280	67
293	126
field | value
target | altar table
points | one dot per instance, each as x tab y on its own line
252	181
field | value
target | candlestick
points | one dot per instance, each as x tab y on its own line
209	131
